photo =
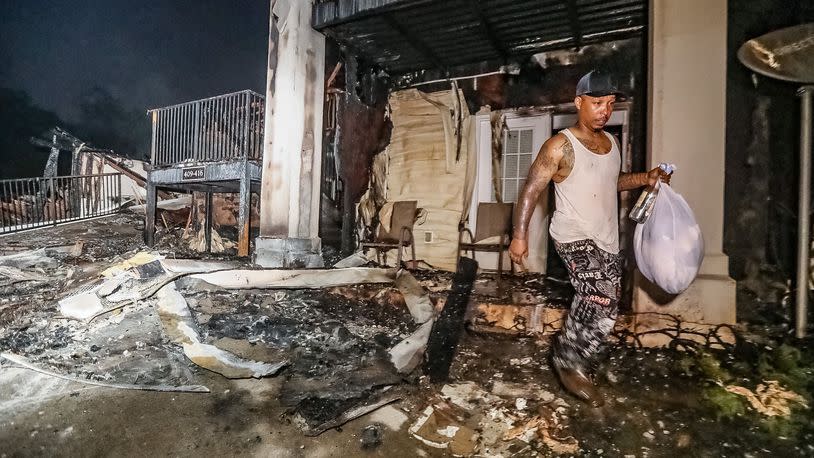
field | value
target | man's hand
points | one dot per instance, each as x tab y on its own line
519	251
654	175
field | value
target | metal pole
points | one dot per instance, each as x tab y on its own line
244	211
149	220
208	223
53	200
153	123
196	151
803	245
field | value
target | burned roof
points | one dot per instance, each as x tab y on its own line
405	36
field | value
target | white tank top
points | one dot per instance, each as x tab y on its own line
586	201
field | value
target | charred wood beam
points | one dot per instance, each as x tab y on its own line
351	74
348	235
208	223
486	27
447	329
417	43
62	133
53	158
140	180
244	213
576	27
43	143
59	139
149	220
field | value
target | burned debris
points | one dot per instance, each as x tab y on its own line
350	346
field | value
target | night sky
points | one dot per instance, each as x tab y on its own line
144	53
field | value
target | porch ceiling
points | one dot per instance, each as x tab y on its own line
446	36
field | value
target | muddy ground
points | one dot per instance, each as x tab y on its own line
659	402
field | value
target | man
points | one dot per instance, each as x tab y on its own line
584	163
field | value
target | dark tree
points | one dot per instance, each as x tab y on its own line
20	120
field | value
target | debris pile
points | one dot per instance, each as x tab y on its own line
138	324
184	218
512	418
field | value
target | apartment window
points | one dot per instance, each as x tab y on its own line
518	154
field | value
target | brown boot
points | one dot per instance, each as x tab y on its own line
580	385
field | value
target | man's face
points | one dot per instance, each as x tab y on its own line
594	112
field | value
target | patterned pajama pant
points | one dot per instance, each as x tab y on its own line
597	278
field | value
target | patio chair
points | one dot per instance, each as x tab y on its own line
400	234
493	232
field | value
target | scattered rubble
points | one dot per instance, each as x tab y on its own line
441	425
466	420
181	220
770	398
178	323
346	346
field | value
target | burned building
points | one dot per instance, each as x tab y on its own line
291	273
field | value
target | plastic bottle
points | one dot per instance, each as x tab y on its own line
644	206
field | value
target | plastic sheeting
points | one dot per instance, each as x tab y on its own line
427	163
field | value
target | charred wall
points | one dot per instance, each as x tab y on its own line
357	130
364	133
762	138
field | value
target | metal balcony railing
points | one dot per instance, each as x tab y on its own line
221	128
26	203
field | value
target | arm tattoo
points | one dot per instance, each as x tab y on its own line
568	155
628	181
544	167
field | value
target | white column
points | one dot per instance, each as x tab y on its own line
292	153
686	126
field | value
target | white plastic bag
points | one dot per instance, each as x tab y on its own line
669	246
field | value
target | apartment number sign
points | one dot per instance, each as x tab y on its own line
192	174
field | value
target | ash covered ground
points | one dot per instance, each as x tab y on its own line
501	400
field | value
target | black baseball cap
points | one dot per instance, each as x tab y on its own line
598	83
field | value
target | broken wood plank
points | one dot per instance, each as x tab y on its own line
140	180
446	330
352	414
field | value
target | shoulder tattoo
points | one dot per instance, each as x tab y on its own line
567	153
